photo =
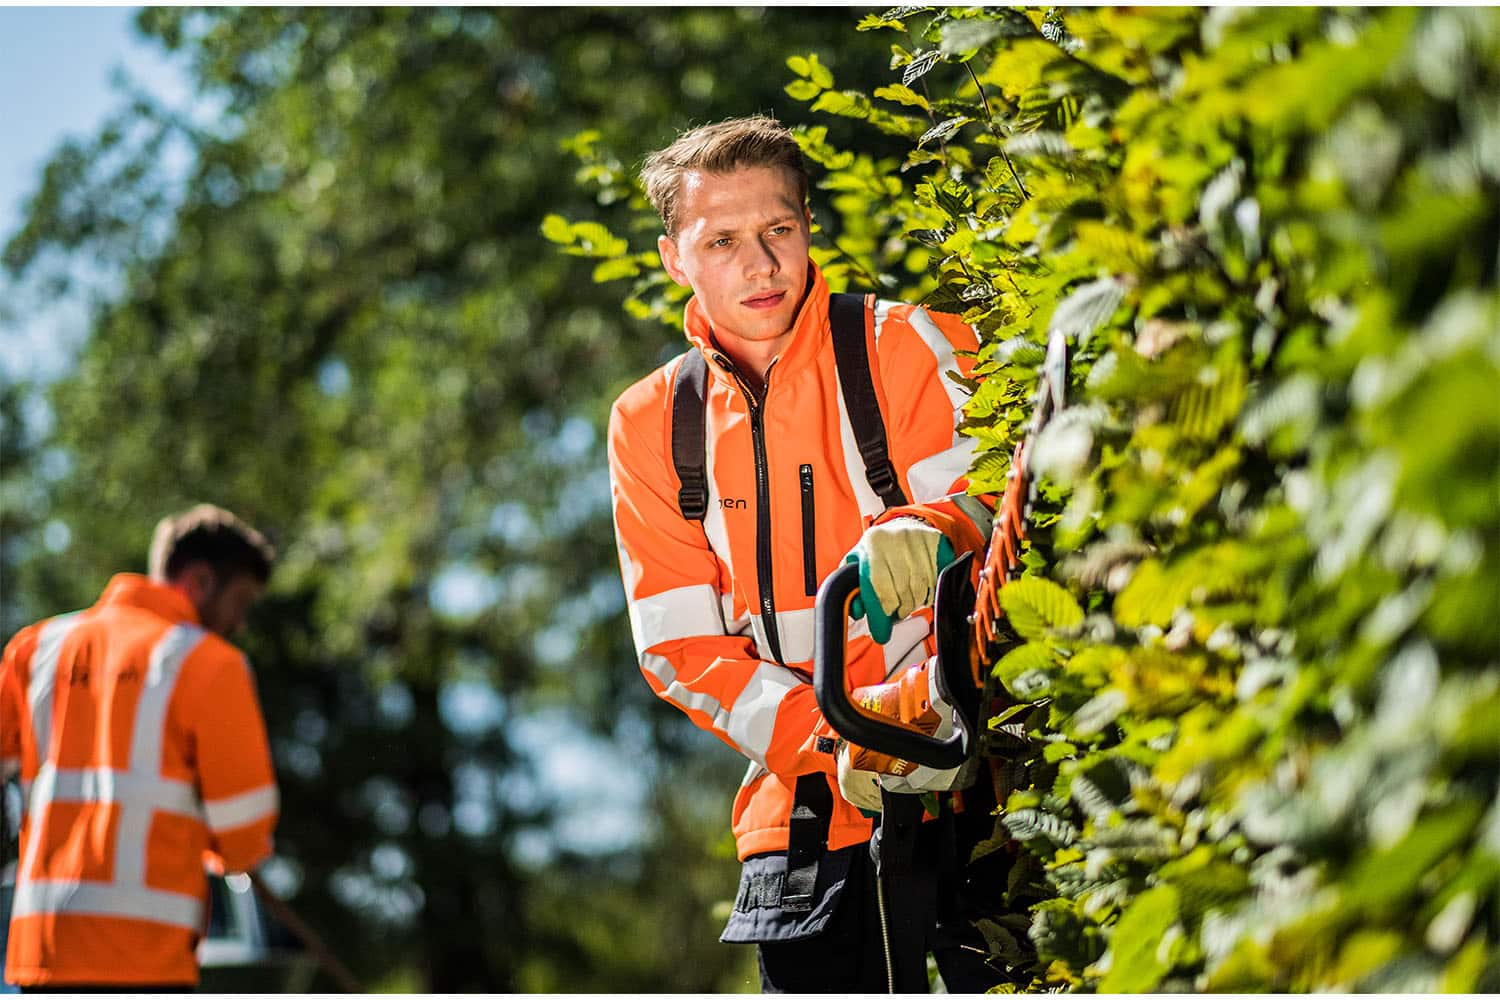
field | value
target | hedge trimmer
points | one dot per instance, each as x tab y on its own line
966	618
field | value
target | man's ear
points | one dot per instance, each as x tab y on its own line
197	581
670	261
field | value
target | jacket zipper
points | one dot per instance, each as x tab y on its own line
763	564
809	541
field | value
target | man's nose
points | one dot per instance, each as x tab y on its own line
762	260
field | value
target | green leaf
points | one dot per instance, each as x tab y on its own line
557	229
943	130
613	270
1152	596
1057	750
1029	824
1366	951
1086	307
902	94
1035	607
1463	973
1002	717
594	240
803	90
819	73
952	198
919	65
838	103
1098	712
1386	878
872	22
1041	143
1135	942
1031	656
960	37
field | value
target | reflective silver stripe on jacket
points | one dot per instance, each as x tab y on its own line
106	899
43	678
234	811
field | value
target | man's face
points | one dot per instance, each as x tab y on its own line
741	246
223	605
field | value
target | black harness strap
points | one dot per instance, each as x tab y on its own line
846	314
689	435
812	812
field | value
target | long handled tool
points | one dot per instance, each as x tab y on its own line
289	919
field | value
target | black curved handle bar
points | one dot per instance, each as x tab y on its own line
951	608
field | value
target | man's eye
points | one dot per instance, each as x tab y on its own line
780	230
722	241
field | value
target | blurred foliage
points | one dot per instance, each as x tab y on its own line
1262	680
344	324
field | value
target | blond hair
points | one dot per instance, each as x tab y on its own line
756	141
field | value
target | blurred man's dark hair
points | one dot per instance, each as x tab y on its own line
212	535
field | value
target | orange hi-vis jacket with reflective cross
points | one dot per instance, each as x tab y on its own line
142	754
722	611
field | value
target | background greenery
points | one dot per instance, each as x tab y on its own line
1256	644
345	325
1258	636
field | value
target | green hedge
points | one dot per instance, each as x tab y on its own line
1263	662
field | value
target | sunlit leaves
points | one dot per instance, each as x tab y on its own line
1035	606
901	94
1168	233
1136	960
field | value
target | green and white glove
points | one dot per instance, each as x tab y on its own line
899	562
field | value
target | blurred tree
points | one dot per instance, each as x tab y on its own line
345	325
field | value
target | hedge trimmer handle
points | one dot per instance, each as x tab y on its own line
966	613
955	676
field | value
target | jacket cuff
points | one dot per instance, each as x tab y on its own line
952	516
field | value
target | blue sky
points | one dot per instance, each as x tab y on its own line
56	68
56	64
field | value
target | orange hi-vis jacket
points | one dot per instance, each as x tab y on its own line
142	753
722	611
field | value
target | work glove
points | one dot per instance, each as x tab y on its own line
913	699
899	562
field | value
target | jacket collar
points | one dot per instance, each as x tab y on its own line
810	330
137	591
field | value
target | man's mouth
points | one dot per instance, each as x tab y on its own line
765	300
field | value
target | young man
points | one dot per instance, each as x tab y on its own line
142	754
722	610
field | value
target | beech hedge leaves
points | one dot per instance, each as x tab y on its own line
1259	631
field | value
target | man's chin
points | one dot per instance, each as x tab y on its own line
761	327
